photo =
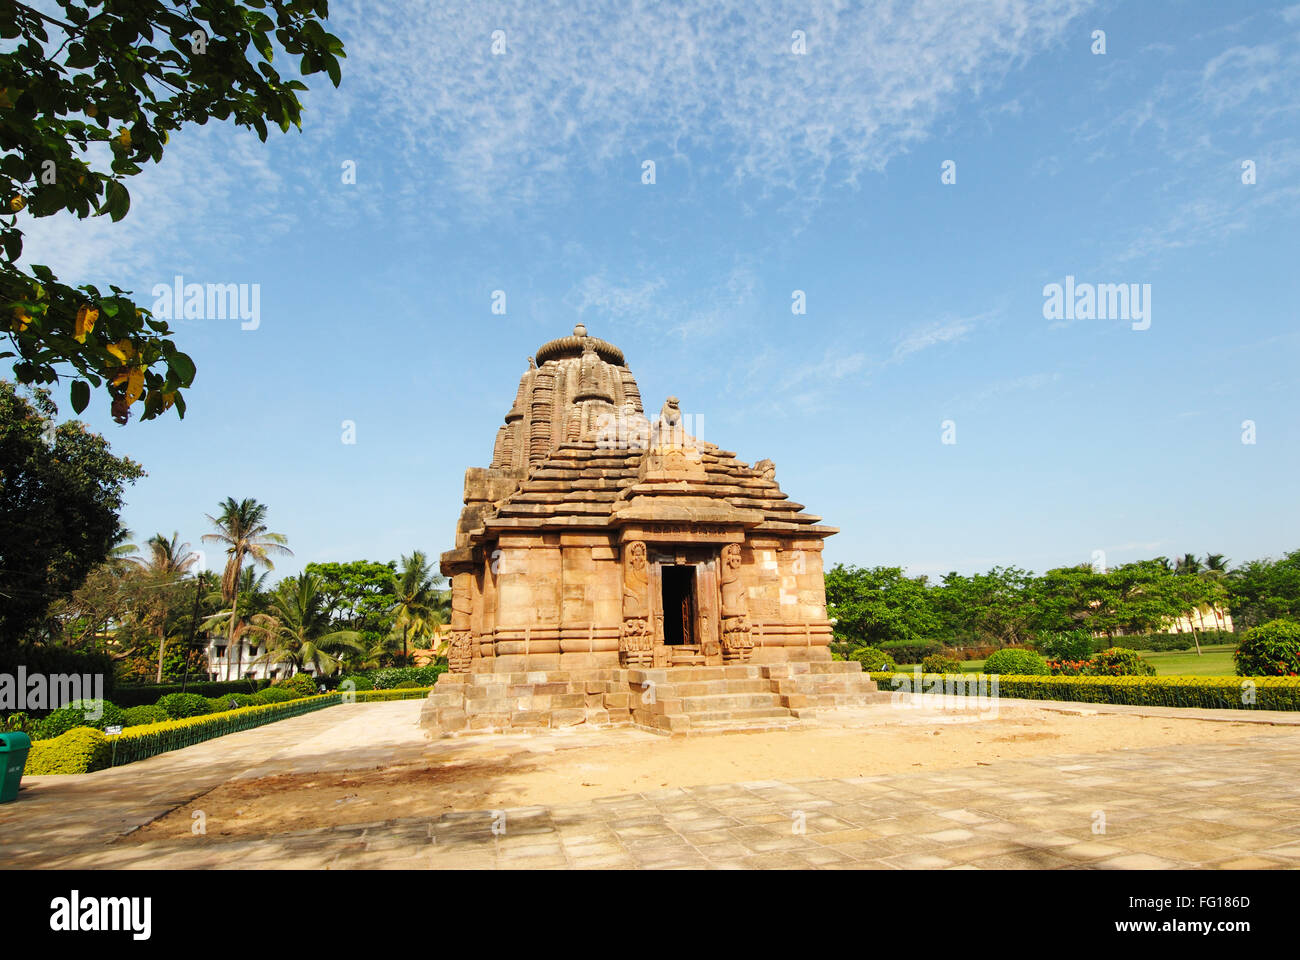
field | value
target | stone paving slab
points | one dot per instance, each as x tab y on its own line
1223	806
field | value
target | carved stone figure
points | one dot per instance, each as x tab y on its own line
765	469
737	637
635	642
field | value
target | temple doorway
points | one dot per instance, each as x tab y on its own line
679	605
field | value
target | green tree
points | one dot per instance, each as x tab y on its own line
87	99
986	608
878	604
61	492
297	629
1260	591
241	528
416	611
159	571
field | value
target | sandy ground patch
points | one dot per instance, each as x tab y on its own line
558	769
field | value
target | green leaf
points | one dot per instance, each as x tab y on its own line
80	395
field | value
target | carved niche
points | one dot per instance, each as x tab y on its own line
636	642
460	648
737	637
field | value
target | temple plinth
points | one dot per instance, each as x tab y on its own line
603	550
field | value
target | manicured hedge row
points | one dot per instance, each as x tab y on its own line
138	743
1227	693
83	749
151	693
406	693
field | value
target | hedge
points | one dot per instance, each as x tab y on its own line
1270	693
406	693
386	678
83	749
153	692
80	750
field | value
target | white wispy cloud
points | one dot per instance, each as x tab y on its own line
921	338
586	85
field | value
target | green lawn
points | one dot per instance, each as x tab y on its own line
1215	661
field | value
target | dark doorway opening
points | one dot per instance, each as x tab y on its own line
679	605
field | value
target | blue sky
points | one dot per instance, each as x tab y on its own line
774	172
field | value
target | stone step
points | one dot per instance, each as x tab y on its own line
703	688
717	702
747	713
753	725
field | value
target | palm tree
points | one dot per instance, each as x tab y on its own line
417	609
162	567
228	623
241	527
297	628
1188	564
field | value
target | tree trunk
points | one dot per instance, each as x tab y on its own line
230	638
162	642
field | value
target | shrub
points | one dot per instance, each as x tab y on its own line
359	681
230	701
940	663
1270	650
872	658
406	685
272	695
80	713
1119	662
300	684
79	750
1018	662
19	722
910	651
387	678
180	705
145	713
413	693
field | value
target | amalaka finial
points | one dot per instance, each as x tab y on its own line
580	330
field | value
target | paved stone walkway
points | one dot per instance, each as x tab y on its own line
1225	805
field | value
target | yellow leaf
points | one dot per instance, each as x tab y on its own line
134	385
16	204
124	137
21	319
86	317
122	350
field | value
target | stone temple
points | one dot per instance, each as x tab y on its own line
610	568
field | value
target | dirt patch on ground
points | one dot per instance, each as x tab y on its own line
496	773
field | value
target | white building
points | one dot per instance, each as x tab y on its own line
244	662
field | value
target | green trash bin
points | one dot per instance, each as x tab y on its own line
13	757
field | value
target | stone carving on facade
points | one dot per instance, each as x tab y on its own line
765	469
635	645
459	652
737	637
460	646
